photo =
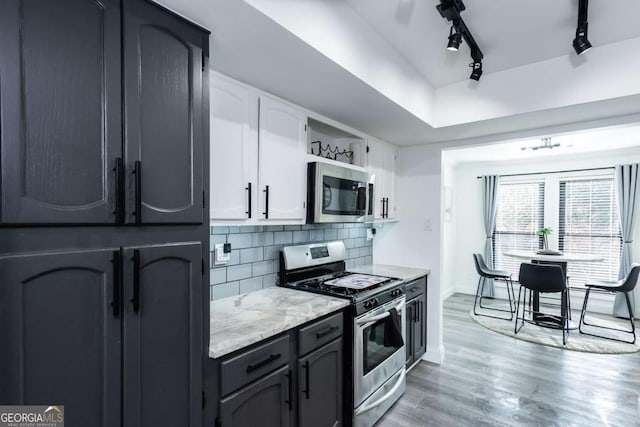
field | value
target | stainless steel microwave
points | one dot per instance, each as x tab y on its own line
337	194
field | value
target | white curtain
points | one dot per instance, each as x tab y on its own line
489	212
627	181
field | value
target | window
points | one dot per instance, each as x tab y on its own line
589	224
520	216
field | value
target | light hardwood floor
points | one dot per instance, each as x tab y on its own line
493	380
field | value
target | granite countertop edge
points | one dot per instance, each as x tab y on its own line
238	322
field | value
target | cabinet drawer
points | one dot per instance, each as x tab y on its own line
313	336
416	287
251	365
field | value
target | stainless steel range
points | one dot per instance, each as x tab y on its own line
376	329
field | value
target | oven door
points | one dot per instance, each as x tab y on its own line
337	194
379	353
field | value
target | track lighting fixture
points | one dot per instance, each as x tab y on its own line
455	38
476	70
450	10
581	43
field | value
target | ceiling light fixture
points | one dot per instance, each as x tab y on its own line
477	70
450	10
581	43
546	143
455	38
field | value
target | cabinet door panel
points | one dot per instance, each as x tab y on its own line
264	403
234	150
282	144
163	335
60	86
410	309
420	328
163	113
60	338
320	387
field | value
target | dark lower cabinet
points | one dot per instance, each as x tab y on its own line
162	335
91	329
264	403
416	321
320	387
294	379
61	335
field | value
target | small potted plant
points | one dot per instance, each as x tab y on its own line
544	232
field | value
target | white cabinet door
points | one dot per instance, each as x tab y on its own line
381	167
234	151
282	168
390	184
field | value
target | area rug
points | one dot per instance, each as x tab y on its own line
553	337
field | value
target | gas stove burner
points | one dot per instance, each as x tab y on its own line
357	281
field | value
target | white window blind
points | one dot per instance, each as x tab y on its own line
520	216
589	225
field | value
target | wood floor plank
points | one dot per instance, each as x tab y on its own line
490	379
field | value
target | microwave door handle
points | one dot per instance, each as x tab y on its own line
362	198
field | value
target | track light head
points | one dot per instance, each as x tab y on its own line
581	43
476	70
455	38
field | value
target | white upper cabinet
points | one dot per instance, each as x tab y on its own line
234	150
257	142
282	161
381	166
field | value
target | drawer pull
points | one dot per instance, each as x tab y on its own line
327	331
262	363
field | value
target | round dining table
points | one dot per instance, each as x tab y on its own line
560	259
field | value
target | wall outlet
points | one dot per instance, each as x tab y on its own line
369	234
222	257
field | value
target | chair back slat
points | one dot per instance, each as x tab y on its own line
542	277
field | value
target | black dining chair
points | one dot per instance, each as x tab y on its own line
488	273
543	278
625	286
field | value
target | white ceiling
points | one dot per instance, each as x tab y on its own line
509	33
571	144
258	49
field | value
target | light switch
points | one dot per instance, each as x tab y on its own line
369	234
221	256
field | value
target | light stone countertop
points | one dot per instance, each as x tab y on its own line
405	273
239	321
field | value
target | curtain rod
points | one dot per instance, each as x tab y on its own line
564	171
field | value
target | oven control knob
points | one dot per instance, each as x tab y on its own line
375	302
368	304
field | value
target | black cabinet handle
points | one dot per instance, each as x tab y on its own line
327	331
248	212
136	281
117	282
137	171
306	379
266	202
289	401
252	367
119	184
383	207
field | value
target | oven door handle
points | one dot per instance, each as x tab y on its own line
383	398
368	321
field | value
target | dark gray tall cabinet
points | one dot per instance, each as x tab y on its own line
103	278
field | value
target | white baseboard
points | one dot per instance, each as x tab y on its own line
434	355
